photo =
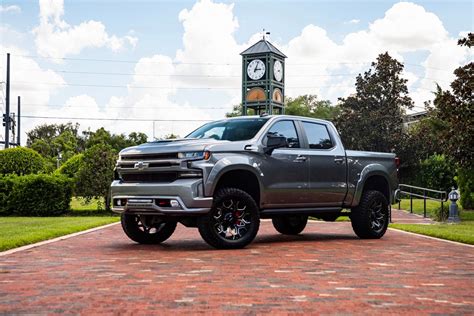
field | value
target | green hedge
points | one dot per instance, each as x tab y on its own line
21	160
465	180
35	195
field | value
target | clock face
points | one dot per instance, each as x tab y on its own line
256	69
278	70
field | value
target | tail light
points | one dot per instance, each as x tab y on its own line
397	163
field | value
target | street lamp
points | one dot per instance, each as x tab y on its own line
58	159
453	208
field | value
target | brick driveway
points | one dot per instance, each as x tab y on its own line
326	270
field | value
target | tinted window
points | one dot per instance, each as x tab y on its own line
318	136
233	130
286	129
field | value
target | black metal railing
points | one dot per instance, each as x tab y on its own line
414	191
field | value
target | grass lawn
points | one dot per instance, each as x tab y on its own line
463	232
20	231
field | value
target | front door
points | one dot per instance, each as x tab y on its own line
285	171
327	166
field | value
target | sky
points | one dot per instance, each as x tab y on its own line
162	67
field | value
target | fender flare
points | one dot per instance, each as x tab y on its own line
370	171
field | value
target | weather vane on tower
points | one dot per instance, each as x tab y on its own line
265	33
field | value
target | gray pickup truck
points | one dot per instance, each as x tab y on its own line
228	174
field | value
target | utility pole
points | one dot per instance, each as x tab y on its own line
18	122
7	105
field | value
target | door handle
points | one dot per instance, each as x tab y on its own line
338	160
300	158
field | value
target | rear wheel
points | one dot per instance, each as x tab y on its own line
233	221
370	218
290	225
147	229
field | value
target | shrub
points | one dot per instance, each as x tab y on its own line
465	181
436	172
20	161
35	195
71	167
96	172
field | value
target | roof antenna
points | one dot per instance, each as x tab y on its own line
265	33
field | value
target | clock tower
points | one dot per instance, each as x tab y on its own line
263	79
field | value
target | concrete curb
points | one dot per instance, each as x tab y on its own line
49	241
433	238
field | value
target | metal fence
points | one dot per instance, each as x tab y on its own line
419	192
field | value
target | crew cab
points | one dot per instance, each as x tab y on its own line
226	175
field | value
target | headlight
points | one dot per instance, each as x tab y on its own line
194	155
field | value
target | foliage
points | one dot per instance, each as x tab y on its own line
305	105
372	118
96	172
20	231
465	181
20	160
49	139
71	167
436	172
117	142
456	110
171	136
35	195
308	105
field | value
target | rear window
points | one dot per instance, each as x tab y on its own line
318	136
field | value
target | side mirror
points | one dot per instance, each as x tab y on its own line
274	142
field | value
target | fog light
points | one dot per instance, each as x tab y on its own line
174	203
119	203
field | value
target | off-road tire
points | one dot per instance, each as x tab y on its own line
228	201
290	225
370	218
135	230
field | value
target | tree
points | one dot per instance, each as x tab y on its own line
96	173
49	139
456	109
308	105
305	105
372	118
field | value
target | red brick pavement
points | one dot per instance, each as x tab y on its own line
326	270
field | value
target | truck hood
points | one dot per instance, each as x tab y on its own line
173	146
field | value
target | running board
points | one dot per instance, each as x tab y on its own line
300	211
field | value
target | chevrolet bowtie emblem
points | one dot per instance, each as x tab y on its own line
141	165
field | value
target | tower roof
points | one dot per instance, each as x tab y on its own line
262	46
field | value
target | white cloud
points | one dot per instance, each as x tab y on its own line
10	8
54	37
209	57
353	21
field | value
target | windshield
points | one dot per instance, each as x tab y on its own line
232	130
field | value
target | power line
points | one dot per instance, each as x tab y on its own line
211	63
118	107
110	119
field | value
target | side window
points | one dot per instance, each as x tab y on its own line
286	129
318	136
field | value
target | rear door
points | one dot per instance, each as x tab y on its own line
285	171
327	165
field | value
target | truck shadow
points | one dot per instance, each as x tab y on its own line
197	244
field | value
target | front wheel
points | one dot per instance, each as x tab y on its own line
290	225
370	218
147	229
233	221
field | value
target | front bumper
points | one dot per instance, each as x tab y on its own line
141	197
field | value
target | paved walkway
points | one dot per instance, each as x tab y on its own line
405	217
326	270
